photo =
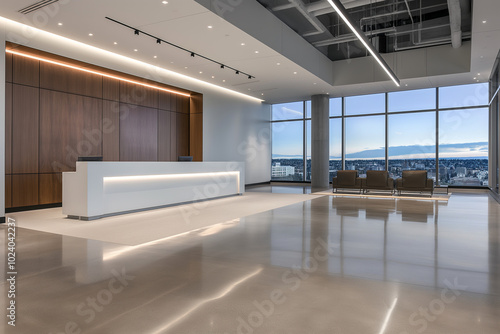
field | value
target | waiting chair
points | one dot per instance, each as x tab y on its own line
347	179
378	180
415	180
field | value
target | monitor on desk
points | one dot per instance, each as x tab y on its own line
89	158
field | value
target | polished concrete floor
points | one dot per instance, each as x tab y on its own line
325	265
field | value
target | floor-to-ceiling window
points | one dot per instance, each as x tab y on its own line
365	143
412	131
288	142
463	135
441	130
335	136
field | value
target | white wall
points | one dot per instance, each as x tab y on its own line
232	122
240	131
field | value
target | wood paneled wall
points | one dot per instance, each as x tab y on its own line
55	114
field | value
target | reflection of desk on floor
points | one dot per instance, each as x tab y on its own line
99	189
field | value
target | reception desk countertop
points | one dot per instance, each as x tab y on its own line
99	189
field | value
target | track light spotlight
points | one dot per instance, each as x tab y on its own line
193	54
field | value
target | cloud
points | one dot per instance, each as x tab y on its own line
461	150
420	151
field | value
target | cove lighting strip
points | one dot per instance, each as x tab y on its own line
362	37
131	178
94	72
15	28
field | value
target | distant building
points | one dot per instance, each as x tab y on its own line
466	181
461	171
281	171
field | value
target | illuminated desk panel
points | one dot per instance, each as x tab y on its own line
100	189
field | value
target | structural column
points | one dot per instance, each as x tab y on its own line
320	140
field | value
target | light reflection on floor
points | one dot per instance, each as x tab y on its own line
328	265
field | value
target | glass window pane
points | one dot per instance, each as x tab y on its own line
365	104
463	147
365	143
412	143
336	107
308	150
287	158
464	95
308	109
335	146
421	99
284	111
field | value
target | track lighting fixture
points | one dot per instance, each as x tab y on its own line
193	54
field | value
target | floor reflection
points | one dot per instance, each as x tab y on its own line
333	259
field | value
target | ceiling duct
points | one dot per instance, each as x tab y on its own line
455	23
36	6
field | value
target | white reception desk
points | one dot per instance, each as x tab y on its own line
100	189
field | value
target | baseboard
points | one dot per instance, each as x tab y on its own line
33	207
258	184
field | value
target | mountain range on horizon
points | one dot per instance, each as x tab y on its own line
399	152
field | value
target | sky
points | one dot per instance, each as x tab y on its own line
462	132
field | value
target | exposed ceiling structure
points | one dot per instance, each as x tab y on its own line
391	25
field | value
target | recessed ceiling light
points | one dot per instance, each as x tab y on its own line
314	83
256	51
185	67
475	78
242	44
91	34
155	57
136	50
249	88
201	72
213	77
115	43
210	27
164	2
484	21
171	62
262	94
59	24
224	80
278	64
479	74
294	72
